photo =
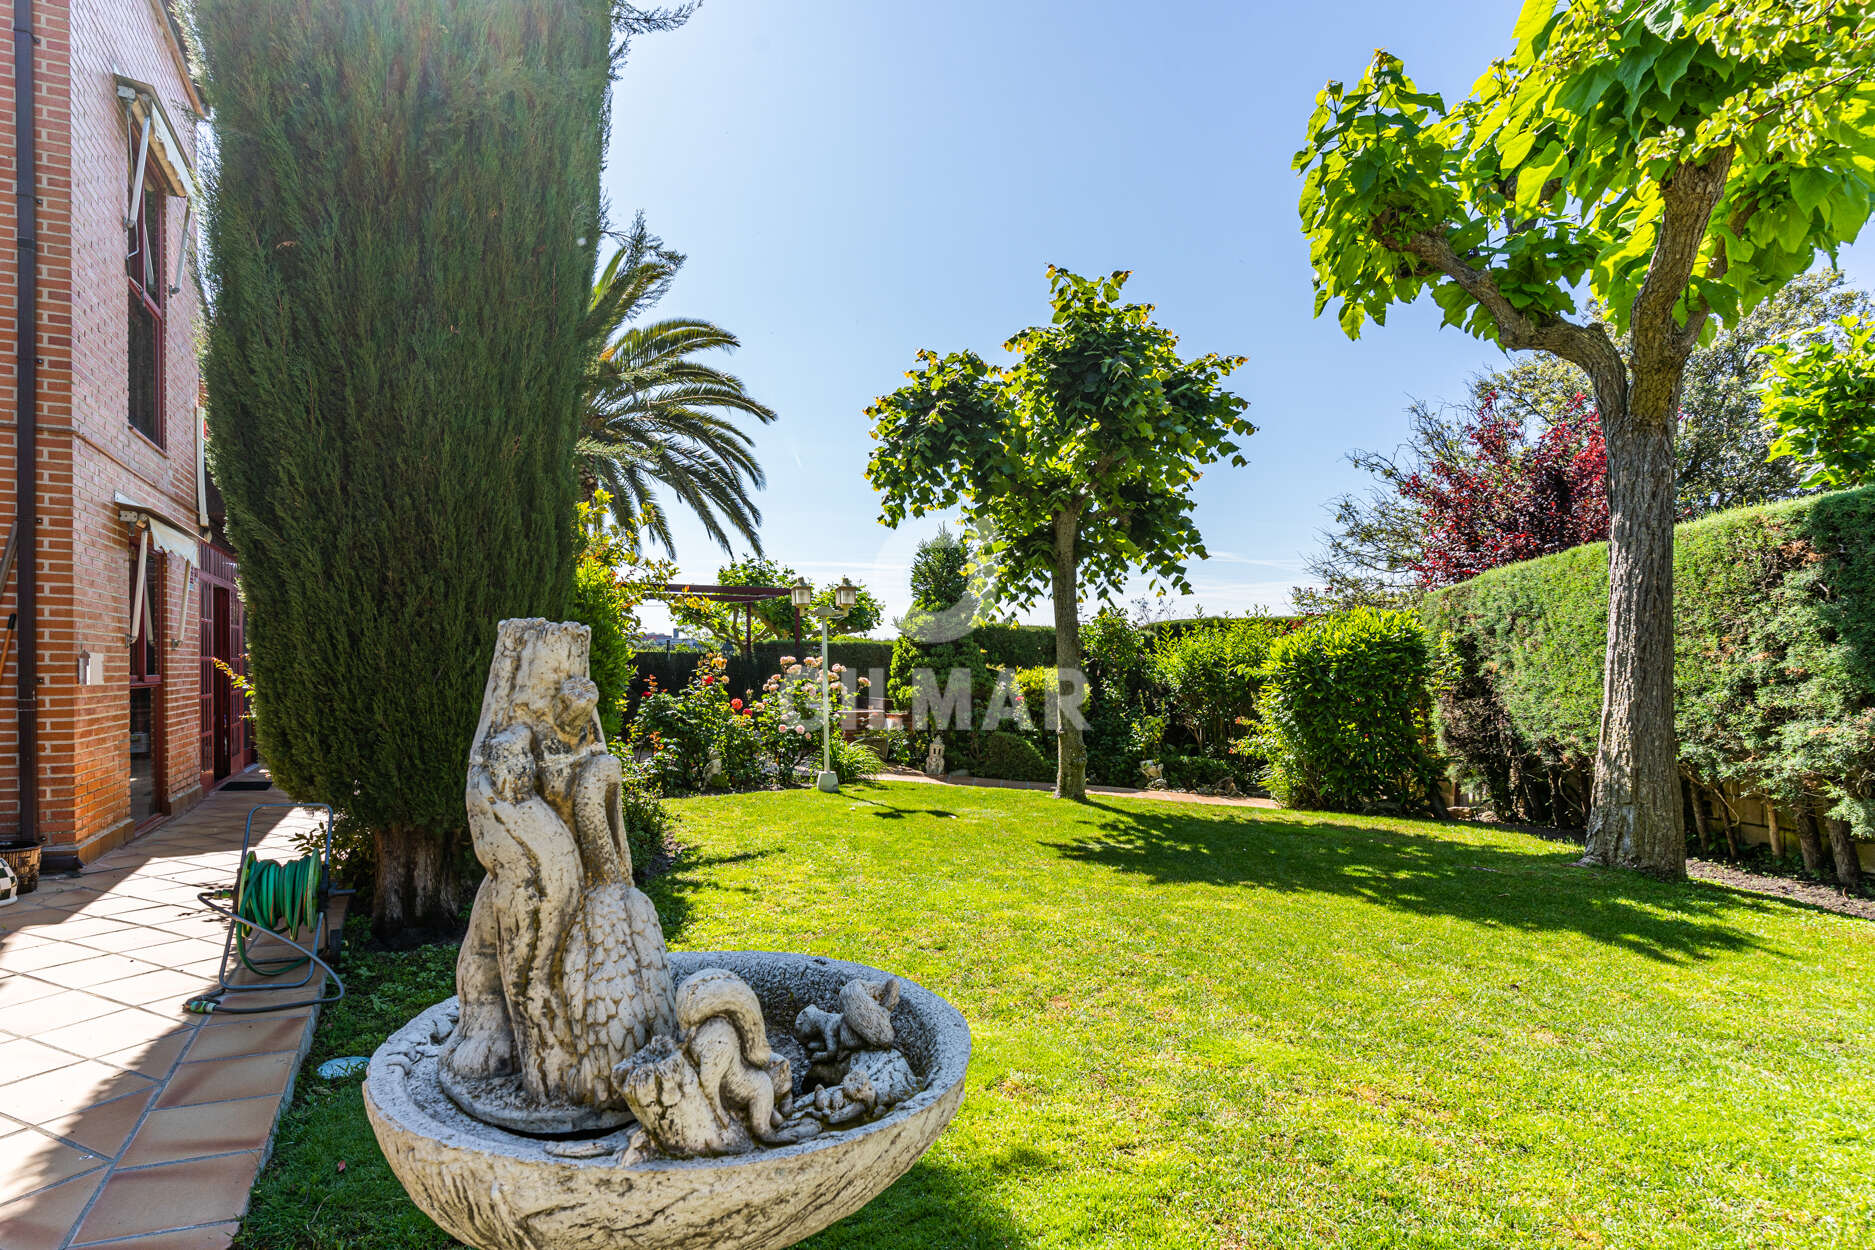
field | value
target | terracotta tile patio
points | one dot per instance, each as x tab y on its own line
124	1120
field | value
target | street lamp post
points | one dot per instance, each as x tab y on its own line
845	595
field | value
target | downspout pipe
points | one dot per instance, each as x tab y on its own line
26	428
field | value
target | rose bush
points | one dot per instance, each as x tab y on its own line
704	735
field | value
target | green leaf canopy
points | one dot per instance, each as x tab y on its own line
1099	417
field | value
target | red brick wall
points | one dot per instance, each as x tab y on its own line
9	415
88	452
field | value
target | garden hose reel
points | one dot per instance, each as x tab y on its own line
274	903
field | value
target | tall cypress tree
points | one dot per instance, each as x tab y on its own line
401	240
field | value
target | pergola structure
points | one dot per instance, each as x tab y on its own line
743	597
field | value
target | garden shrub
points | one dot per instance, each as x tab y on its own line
1345	716
704	735
1114	654
855	761
1038	687
597	603
1112	647
790	712
909	655
684	729
1207	676
1011	756
1198	772
648	823
746	673
1774	677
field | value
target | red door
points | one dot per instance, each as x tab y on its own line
223	689
225	745
240	733
205	716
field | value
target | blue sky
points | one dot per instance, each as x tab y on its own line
855	180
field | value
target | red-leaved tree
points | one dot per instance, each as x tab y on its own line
1512	494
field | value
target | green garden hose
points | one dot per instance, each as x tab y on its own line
280	898
276	900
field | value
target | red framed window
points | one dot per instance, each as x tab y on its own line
143	267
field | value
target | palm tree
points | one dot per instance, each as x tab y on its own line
657	417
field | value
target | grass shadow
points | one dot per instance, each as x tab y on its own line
671	890
1422	874
932	1207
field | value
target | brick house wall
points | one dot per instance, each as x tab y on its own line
89	454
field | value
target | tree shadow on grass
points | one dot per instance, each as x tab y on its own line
932	1207
891	811
671	890
1424	874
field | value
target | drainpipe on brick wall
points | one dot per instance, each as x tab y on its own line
26	430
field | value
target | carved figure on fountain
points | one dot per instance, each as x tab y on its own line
563	973
569	1098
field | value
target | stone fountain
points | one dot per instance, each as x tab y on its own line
587	1089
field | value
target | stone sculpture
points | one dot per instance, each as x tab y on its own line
864	1083
865	1020
716	1089
563	972
569	1098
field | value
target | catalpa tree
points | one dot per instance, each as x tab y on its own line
1675	160
1075	463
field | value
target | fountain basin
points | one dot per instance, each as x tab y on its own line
500	1190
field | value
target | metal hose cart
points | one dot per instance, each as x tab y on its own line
273	902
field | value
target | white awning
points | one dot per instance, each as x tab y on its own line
154	531
147	116
164	535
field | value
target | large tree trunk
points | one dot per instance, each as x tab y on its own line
1070	749
1808	843
1635	817
418	886
1842	850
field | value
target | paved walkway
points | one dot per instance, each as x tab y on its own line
1169	796
124	1120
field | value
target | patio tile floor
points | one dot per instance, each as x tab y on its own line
125	1120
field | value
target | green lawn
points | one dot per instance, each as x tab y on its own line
1205	1026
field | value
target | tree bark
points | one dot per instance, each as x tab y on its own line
1733	848
1070	749
1634	820
1808	843
417	886
1842	850
1776	835
1697	806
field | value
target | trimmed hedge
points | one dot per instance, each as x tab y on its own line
1173	627
859	654
1009	756
1017	646
1774	682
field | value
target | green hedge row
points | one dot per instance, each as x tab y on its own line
1775	673
1016	646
